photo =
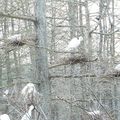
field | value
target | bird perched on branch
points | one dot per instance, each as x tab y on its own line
16	40
30	94
74	43
29	91
5	93
15	37
4	117
97	112
28	115
95	115
117	68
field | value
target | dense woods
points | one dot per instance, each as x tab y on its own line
59	59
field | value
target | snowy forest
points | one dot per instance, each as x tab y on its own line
59	59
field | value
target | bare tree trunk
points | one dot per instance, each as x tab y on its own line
115	87
53	22
81	17
8	67
88	36
100	27
41	56
0	70
112	36
73	17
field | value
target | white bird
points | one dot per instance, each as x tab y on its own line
5	93
4	117
117	68
28	115
97	112
29	93
29	88
15	37
74	43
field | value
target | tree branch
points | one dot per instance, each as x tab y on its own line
28	18
70	76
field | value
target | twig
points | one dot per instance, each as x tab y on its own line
42	112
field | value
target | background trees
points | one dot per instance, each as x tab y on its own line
71	88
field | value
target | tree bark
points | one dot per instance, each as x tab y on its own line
41	56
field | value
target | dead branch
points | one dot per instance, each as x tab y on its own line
73	60
71	76
111	74
28	18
